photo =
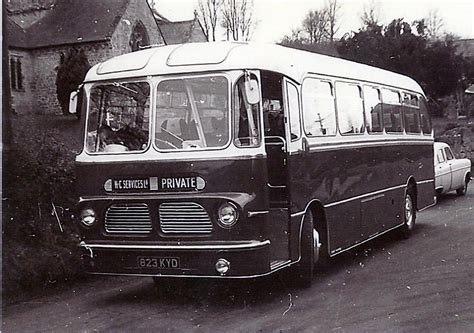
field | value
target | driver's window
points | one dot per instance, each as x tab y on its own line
449	154
118	119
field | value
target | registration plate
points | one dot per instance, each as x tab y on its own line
155	262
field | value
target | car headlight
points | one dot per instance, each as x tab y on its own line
88	217
227	215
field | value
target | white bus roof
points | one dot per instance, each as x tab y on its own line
220	56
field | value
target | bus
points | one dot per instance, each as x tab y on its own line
238	160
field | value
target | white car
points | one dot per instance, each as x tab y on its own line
450	173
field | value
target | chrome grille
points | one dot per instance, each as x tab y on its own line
128	219
184	218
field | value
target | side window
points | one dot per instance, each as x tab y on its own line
391	110
440	156
449	153
294	111
411	113
425	117
318	108
373	109
350	110
246	121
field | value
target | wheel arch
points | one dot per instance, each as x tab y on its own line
412	187
319	220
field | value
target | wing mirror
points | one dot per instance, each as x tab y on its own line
252	94
73	97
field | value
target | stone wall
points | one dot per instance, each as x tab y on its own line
46	62
197	34
137	10
40	65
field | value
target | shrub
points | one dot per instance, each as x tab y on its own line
39	236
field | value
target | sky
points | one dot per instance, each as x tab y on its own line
277	18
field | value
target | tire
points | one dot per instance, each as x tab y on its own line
462	191
304	270
409	214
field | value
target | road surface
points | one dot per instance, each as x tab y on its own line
425	283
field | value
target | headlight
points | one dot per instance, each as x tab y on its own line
227	215
88	217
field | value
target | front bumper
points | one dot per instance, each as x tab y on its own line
196	259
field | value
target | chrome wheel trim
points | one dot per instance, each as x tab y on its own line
408	211
316	246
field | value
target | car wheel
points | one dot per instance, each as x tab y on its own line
409	214
304	270
463	190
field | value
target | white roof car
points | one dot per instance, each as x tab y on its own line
451	174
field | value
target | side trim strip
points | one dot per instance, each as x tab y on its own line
376	195
297	214
257	213
425	181
364	195
244	246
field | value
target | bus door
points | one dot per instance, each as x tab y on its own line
275	139
280	100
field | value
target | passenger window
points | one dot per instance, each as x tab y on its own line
425	117
449	154
391	110
411	113
294	110
373	109
319	112
350	110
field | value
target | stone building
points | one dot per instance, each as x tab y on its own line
40	32
182	31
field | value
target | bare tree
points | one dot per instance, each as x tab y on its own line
315	25
332	10
371	15
433	24
237	19
208	13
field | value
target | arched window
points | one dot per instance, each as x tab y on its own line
16	74
139	37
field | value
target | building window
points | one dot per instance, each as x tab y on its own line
139	37
16	76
